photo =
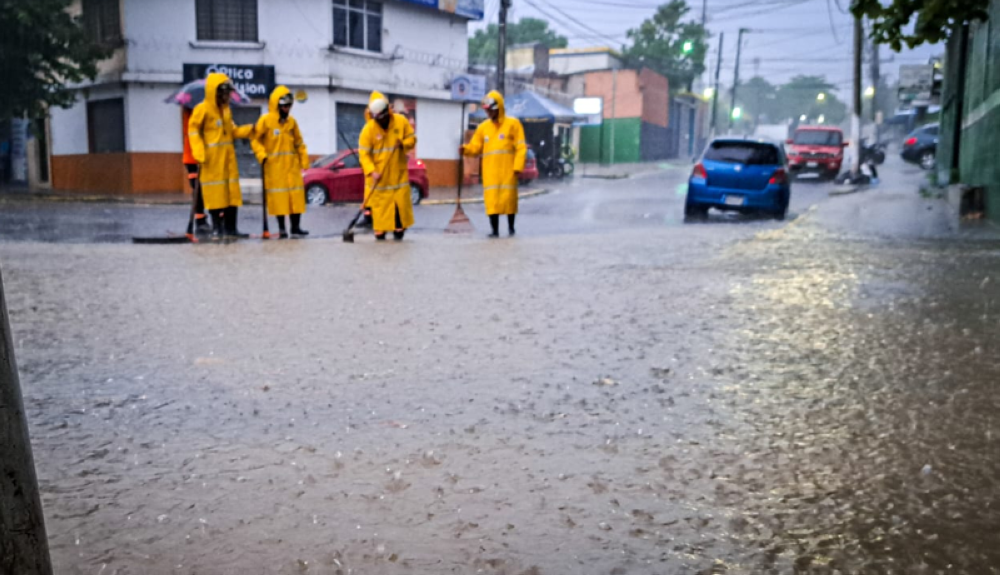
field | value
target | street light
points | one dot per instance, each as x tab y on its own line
870	92
821	119
737	113
803	118
709	92
820	97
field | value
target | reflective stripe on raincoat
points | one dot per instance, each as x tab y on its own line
386	152
503	149
211	131
282	146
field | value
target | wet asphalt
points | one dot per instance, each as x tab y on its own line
611	392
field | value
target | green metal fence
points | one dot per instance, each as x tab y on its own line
979	162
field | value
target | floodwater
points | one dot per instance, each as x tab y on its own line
733	397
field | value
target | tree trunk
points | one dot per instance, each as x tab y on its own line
24	548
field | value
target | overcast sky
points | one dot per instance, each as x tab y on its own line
789	37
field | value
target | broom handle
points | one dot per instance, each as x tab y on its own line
461	158
263	193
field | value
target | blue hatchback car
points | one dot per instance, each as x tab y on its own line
743	175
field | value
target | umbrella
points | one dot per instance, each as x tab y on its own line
191	94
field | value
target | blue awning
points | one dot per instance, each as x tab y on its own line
531	107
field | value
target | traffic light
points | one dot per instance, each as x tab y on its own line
688	46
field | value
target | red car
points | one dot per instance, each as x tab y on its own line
530	172
816	150
338	178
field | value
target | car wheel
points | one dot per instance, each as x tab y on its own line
316	195
694	211
415	194
928	160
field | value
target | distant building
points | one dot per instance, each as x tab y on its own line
121	136
577	60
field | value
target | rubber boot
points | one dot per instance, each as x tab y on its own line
231	217
510	224
297	225
218	224
495	225
282	233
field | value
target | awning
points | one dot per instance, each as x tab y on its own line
531	107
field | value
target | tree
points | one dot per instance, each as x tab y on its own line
932	20
759	101
483	44
44	48
665	44
812	97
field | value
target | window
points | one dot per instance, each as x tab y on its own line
747	153
357	24
106	126
931	130
227	20
102	21
818	138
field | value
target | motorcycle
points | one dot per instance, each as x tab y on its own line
552	167
873	153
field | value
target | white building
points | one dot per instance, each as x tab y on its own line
122	137
568	61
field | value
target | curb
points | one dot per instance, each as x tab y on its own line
479	200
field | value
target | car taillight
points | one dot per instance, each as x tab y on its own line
779	177
911	142
420	163
699	172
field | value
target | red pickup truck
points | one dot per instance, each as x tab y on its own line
816	150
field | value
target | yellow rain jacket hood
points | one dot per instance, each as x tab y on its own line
211	131
280	145
386	152
503	149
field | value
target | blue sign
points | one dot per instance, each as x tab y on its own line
472	9
468	88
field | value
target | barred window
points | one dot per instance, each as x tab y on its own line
358	24
102	21
106	126
227	20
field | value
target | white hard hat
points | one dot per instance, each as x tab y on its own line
378	107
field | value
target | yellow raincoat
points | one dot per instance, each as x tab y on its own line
282	146
211	131
386	152
502	146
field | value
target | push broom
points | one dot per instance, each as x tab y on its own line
459	223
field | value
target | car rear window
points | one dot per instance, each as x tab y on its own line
747	153
818	138
931	130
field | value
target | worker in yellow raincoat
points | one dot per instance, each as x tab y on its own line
282	155
500	141
385	142
211	130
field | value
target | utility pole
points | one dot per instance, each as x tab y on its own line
704	13
856	112
502	46
736	74
24	547
715	92
877	93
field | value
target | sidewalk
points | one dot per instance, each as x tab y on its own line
619	171
899	207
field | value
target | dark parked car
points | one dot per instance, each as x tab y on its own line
920	146
742	175
338	178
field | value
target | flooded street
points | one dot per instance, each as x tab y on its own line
612	392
